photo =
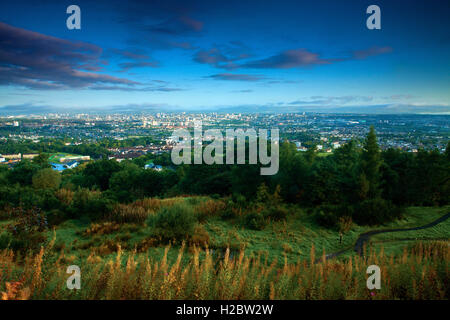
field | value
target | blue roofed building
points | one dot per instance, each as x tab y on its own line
63	166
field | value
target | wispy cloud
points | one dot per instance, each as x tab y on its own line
288	59
236	77
135	89
224	56
331	100
38	61
373	51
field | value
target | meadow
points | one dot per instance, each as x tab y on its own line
218	256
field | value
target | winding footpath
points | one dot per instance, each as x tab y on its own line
365	237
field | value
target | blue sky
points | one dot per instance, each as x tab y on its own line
181	55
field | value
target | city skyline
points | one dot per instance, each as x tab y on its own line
225	55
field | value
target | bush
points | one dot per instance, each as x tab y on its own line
101	229
65	196
23	242
27	231
90	203
255	221
176	222
345	224
209	208
376	211
56	216
325	218
126	213
200	236
276	213
329	216
46	179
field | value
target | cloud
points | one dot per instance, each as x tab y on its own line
331	100
182	45
37	61
137	57
288	59
399	97
215	58
373	51
164	18
236	77
134	89
125	66
176	26
223	56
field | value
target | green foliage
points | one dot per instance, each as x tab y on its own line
46	179
42	160
370	165
23	173
275	212
89	203
56	217
98	173
255	221
329	216
26	232
376	211
176	222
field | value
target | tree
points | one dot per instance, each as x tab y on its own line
46	179
42	160
370	164
98	173
23	172
127	183
447	151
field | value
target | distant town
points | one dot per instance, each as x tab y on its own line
324	132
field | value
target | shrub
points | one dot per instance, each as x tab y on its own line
46	179
255	221
24	242
200	236
328	216
56	216
209	208
239	200
176	222
276	213
101	228
149	204
128	213
26	232
376	211
230	211
65	196
90	203
345	224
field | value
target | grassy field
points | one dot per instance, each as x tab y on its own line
276	259
292	238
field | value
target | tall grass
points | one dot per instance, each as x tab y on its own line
421	273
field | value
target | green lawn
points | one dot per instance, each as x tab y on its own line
55	157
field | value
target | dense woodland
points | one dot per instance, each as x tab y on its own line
367	184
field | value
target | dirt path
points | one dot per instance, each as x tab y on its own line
365	237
